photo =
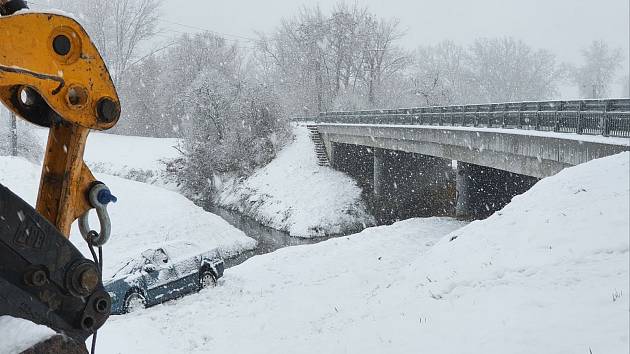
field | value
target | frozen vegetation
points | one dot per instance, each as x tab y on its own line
547	274
294	194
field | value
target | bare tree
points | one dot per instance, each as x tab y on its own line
505	69
597	73
380	56
117	27
440	75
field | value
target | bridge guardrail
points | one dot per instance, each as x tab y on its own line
610	117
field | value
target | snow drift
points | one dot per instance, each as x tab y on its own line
547	274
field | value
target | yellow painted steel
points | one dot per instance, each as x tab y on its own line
52	75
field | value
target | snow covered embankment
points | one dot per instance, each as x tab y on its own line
295	195
144	217
547	274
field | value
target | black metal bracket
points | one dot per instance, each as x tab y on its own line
12	6
43	277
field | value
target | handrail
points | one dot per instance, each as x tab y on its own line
609	117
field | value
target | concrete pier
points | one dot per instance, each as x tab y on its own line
481	191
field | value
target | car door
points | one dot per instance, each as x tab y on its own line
188	271
160	276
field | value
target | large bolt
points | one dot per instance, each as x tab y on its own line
83	278
107	110
62	45
89	279
36	278
102	305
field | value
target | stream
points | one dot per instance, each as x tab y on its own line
269	239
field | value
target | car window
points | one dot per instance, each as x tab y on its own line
128	267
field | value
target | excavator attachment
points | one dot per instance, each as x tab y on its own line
43	277
52	75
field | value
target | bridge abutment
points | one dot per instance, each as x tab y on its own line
355	161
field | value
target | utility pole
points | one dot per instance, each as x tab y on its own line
14	138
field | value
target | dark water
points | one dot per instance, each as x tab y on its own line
269	239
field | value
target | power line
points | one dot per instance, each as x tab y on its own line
249	39
174	36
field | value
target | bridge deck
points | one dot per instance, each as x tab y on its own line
527	152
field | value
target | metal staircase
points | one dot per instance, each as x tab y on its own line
320	149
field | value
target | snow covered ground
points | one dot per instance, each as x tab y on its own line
19	335
130	157
296	195
547	274
144	217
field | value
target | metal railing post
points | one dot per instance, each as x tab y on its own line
578	128
476	117
537	123
556	123
606	125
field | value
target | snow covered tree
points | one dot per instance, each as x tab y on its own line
491	70
322	62
232	122
597	73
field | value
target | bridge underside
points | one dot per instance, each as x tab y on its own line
530	155
399	185
408	169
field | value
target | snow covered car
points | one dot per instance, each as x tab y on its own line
163	274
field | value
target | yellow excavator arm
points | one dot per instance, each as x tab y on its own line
52	75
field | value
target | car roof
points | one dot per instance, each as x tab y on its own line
179	249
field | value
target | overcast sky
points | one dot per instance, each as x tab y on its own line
563	26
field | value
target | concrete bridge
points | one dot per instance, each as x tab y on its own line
405	156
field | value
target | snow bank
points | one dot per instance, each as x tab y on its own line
19	335
144	217
296	195
547	274
131	157
296	300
